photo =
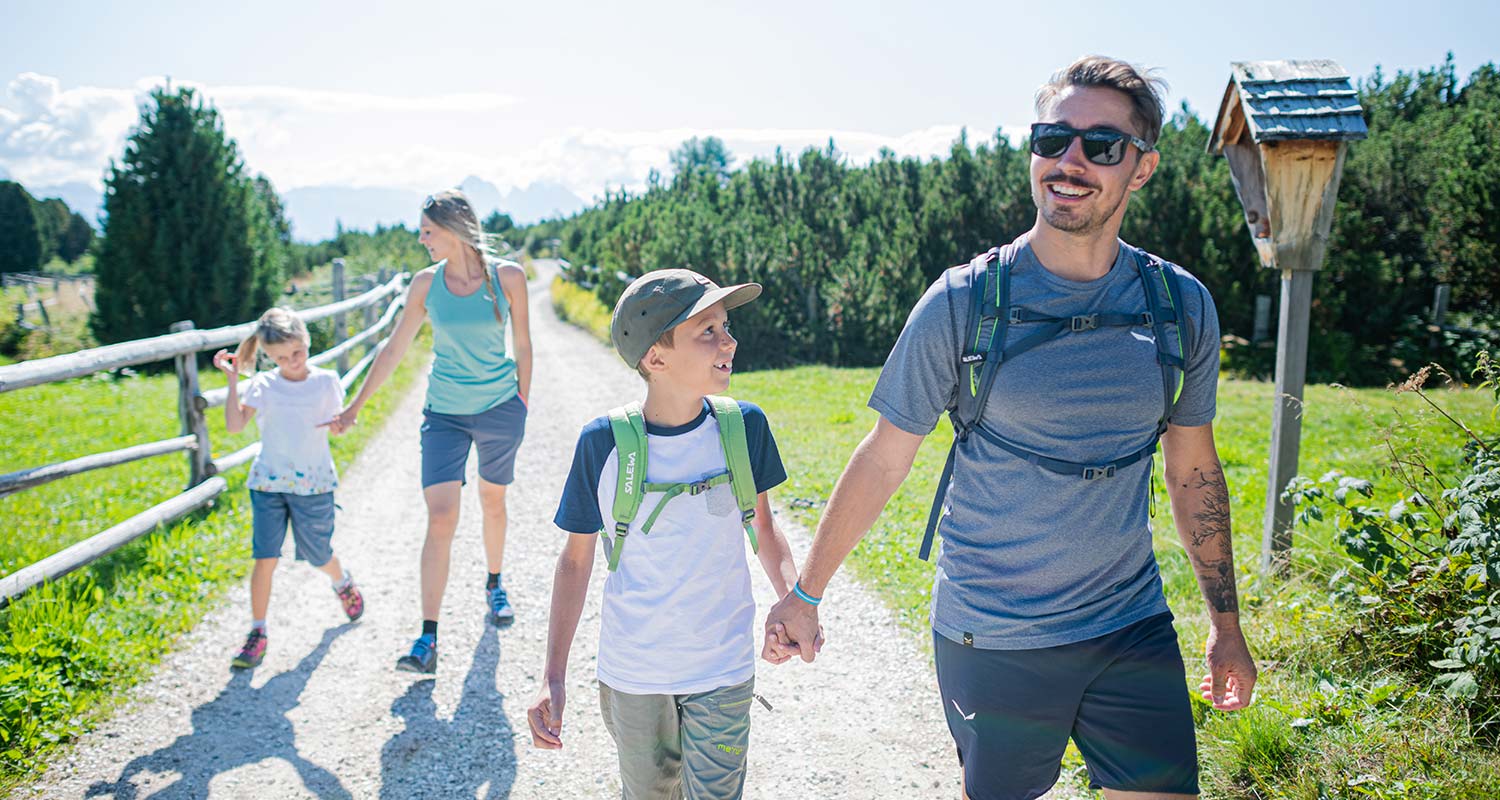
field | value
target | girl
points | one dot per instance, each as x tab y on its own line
476	395
293	476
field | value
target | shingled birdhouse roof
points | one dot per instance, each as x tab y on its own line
1284	127
1280	100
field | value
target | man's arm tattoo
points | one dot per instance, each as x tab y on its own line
1210	525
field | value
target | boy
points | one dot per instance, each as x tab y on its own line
676	650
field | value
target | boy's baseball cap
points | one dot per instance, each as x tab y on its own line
663	299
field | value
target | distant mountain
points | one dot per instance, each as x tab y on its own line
314	210
540	201
484	196
81	198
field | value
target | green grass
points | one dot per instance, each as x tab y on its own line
819	415
69	649
1329	721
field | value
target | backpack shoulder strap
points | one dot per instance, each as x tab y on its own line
628	424
1163	292
737	458
982	350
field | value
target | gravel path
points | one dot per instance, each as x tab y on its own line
326	716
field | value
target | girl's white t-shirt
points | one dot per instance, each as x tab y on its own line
294	456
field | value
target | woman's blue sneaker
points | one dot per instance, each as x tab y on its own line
422	658
500	614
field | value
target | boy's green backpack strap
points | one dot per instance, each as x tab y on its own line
629	427
737	458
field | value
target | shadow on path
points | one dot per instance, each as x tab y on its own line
241	726
471	755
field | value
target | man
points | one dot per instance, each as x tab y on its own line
1048	616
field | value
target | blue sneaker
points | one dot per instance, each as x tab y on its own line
500	615
422	658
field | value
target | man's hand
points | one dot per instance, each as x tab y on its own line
545	715
1231	678
794	623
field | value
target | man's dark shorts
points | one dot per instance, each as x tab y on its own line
1122	698
496	434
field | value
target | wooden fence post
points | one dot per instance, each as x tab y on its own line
340	328
1262	327
369	312
190	411
1439	314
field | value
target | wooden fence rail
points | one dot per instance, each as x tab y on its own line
160	348
183	346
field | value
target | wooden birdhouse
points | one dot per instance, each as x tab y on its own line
1284	126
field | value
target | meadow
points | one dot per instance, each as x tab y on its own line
1332	717
69	649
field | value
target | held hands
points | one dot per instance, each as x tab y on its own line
545	715
342	421
1232	673
792	628
779	648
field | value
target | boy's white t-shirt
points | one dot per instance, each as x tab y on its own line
678	615
294	456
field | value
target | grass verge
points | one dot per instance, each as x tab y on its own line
70	649
1330	721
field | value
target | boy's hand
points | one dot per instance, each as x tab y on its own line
224	361
334	426
545	715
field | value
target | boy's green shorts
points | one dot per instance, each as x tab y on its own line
688	745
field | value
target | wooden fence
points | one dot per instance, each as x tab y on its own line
182	346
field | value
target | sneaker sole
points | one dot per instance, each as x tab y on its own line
500	622
406	665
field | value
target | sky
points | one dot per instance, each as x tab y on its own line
597	94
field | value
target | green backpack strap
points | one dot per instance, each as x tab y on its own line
629	427
737	458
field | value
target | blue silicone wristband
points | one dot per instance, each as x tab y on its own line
804	596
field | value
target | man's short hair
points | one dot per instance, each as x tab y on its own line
1144	89
666	340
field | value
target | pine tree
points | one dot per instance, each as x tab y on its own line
20	233
186	234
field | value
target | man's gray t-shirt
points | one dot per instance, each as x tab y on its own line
1032	558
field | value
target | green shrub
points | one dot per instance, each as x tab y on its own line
1425	578
579	306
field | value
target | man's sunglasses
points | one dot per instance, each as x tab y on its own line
1104	146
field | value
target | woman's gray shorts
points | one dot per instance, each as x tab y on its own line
495	433
311	516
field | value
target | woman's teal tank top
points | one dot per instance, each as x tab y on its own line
471	372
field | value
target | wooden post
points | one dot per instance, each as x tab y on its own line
1439	314
370	316
1262	327
200	459
340	328
1286	414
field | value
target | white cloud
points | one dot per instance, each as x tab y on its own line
304	137
53	135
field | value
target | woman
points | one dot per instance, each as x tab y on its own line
476	395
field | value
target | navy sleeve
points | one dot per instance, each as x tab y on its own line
765	459
578	510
